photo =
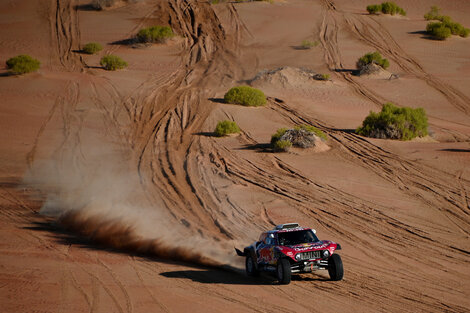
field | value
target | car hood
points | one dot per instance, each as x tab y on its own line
291	251
319	245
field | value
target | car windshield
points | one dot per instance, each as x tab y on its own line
293	238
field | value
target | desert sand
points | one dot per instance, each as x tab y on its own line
116	197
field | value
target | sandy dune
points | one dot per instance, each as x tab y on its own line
116	197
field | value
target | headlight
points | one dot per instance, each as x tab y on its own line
325	254
298	256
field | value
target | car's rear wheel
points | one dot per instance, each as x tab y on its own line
283	271
250	267
335	267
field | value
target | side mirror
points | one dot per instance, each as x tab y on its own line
314	231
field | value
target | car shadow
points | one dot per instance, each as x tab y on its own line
217	276
310	277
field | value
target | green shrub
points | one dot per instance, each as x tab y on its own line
389	8
245	95
278	135
441	32
226	127
155	34
386	8
456	29
392	8
22	64
372	57
446	27
312	129
112	62
92	48
465	32
444	19
432	14
438	30
395	123
282	145
374	8
325	76
306	44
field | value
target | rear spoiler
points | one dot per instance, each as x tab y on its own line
239	253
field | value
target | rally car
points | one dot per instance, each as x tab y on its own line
289	248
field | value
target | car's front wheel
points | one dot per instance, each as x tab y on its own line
283	271
335	267
250	267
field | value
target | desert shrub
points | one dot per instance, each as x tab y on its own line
444	19
278	135
456	29
307	44
465	32
22	64
372	57
92	48
245	95
432	14
386	8
321	76
155	34
446	27
112	62
392	8
226	127
303	136
438	30
374	8
395	123
282	145
312	129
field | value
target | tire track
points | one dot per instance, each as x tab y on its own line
183	110
161	306
372	32
65	34
415	180
121	286
329	40
382	40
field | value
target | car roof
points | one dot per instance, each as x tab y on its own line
288	230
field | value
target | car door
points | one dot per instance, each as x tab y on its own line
266	249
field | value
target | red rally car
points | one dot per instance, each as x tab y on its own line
289	248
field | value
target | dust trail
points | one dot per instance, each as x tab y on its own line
119	235
99	196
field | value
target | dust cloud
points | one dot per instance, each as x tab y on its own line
95	193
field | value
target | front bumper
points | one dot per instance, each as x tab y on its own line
309	266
